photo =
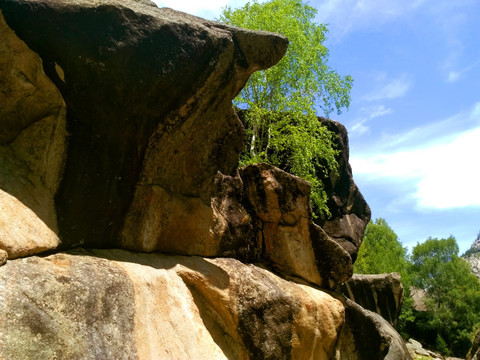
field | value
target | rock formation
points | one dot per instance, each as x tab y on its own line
153	306
118	132
382	294
472	256
367	335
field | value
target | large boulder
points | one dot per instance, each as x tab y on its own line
32	149
380	293
368	336
286	232
153	143
149	116
350	212
114	304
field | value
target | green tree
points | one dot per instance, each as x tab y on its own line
381	251
452	296
281	125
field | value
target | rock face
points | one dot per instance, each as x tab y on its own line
113	304
149	117
368	336
153	143
32	148
286	230
117	131
473	257
382	294
350	212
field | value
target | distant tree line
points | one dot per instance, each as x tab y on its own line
452	291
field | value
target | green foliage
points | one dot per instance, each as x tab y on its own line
428	259
381	251
442	345
281	125
453	296
452	290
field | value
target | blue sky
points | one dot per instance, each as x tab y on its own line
414	118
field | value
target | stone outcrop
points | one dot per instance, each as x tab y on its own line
153	143
380	293
350	212
114	304
117	131
286	231
150	120
472	256
368	336
416	350
32	147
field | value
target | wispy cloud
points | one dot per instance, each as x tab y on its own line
395	88
349	15
455	75
359	126
444	173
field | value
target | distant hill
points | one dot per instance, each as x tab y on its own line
472	255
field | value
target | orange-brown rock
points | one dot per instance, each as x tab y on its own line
286	232
114	304
32	149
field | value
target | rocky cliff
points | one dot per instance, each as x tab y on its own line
472	255
118	133
380	293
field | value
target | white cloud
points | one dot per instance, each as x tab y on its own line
396	88
359	128
370	112
376	111
445	173
455	75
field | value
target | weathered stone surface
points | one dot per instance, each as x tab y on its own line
416	350
154	140
474	352
472	256
368	336
418	297
350	212
474	261
21	230
113	304
148	93
32	149
3	257
286	231
382	293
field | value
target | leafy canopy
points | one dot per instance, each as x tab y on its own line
453	296
381	251
281	125
452	291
